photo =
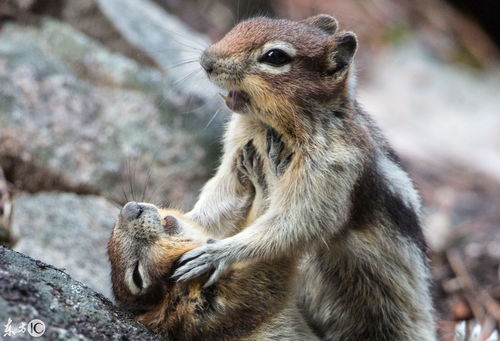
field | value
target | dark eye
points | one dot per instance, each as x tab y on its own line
275	57
136	276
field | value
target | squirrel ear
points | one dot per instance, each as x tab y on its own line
323	21
345	47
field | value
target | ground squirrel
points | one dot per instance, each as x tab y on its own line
343	201
254	301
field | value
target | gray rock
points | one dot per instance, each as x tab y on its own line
31	289
436	113
168	41
76	117
86	17
68	231
173	46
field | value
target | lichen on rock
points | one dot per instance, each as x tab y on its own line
31	289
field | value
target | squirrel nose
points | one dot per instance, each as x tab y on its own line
207	62
132	210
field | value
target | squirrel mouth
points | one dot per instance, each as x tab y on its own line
236	100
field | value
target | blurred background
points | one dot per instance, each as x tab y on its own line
102	101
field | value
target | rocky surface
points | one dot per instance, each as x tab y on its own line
77	117
176	49
454	108
166	39
30	289
93	127
68	231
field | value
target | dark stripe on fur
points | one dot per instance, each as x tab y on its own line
359	292
371	195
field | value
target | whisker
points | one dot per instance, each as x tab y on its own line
165	203
134	177
124	194
213	117
157	188
147	196
114	202
189	104
174	86
130	180
189	111
198	48
159	51
183	63
147	183
189	75
190	99
173	49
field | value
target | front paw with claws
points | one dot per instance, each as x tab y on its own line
278	155
249	165
203	259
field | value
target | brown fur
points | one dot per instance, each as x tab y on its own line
250	302
252	34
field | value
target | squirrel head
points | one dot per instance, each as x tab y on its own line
145	243
271	66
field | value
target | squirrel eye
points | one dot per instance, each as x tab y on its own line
136	276
275	57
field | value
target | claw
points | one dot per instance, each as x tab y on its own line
193	264
275	145
283	165
276	153
214	277
249	150
194	273
190	255
268	140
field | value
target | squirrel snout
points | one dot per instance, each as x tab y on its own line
132	210
207	62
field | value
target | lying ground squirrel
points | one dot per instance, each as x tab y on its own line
343	202
254	301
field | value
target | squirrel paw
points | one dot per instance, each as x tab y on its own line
198	261
279	157
249	163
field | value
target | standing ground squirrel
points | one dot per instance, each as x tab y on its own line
253	301
343	202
